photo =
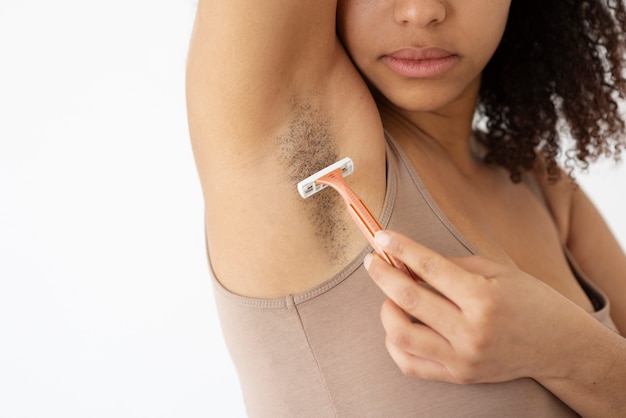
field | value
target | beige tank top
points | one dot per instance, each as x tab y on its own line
322	354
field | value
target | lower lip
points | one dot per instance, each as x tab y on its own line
428	68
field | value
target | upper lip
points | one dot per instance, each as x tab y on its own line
420	54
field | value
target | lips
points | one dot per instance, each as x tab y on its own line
420	62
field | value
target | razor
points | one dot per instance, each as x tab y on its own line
333	176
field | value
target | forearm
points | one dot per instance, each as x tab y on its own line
590	373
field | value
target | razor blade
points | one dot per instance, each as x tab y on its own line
310	185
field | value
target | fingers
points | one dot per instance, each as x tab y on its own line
478	265
418	367
413	298
452	280
415	338
418	350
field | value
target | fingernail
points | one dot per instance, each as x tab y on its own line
382	238
367	261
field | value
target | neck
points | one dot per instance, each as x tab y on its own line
446	131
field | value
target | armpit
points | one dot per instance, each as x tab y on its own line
307	146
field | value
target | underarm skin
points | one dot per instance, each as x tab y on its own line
306	147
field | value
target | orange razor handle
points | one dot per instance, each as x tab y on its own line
362	216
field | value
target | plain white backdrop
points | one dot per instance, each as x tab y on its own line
105	301
106	306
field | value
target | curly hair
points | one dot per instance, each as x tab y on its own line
558	74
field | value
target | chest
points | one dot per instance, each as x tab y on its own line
507	222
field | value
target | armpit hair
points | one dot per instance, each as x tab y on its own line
306	147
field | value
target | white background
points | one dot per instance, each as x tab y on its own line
105	301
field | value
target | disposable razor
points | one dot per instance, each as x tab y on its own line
333	176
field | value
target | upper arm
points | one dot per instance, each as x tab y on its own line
598	253
588	237
272	97
248	59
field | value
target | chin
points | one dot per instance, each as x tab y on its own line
418	101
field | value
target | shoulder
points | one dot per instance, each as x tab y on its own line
558	195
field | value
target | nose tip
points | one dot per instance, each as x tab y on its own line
420	13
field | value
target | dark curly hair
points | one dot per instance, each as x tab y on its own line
558	73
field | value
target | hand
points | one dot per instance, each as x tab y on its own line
486	322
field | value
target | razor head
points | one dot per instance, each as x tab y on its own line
309	186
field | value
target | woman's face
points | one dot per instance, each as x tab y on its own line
422	54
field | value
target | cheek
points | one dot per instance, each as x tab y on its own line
354	24
494	18
482	31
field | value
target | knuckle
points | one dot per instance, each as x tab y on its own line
408	298
485	303
396	246
398	338
410	371
477	344
488	312
467	371
430	265
406	367
465	377
479	289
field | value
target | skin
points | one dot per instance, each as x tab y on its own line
304	81
464	335
308	101
467	335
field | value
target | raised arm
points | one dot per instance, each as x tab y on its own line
273	97
247	61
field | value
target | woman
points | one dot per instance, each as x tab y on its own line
275	93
